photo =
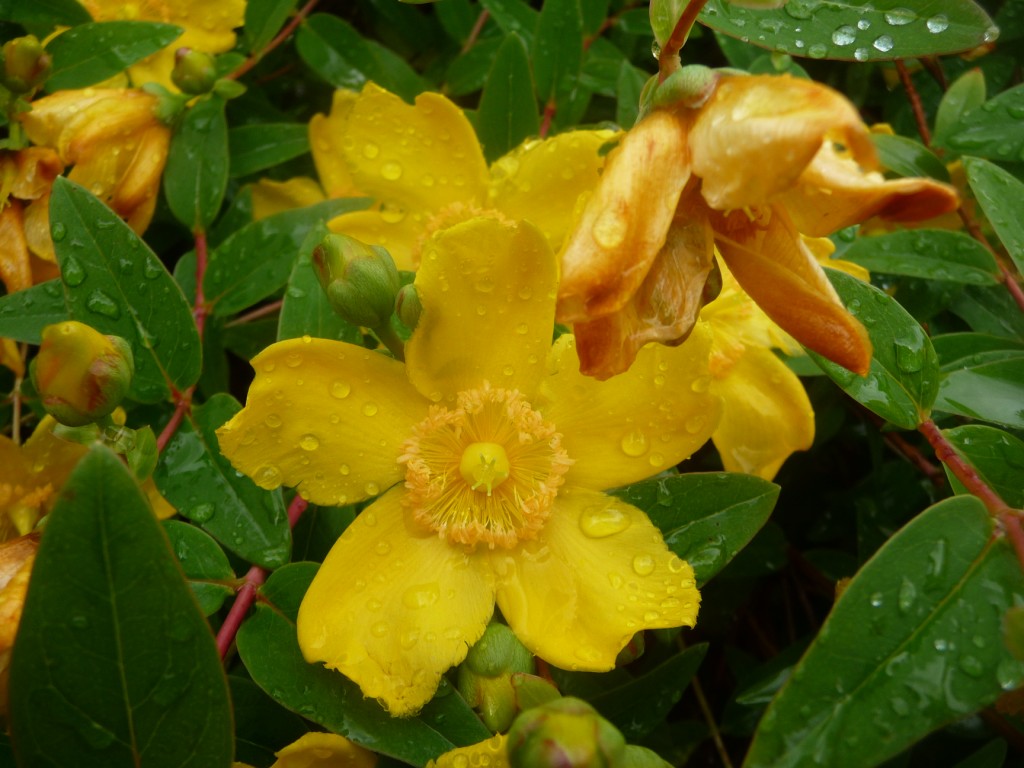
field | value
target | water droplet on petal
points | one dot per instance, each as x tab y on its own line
421	595
340	389
391	171
382	548
370	150
610	229
268	476
371	489
309	442
634	443
600	522
273	420
369	409
643	565
379	629
293	360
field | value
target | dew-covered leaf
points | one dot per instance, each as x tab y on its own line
196	175
997	456
113	282
912	643
202	485
514	17
1001	196
991	391
989	310
966	93
904	376
91	53
258	147
508	106
907	157
203	562
114	665
558	48
991	130
24	314
960	350
46	12
931	254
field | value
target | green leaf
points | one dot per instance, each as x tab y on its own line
904	376
907	157
1001	196
270	651
966	93
991	130
91	53
196	175
201	484
113	282
931	254
856	31
959	350
258	147
705	518
24	314
508	107
557	48
664	15
262	725
628	87
263	20
113	664
306	310
203	562
255	261
468	71
47	12
911	644
992	391
997	456
514	17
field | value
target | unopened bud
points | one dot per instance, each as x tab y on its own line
485	677
408	306
26	64
194	72
690	86
80	374
566	733
361	281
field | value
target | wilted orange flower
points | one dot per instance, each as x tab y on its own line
744	173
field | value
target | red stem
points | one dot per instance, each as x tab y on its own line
964	472
477	29
1012	525
288	28
175	422
256	314
915	102
549	114
668	61
199	310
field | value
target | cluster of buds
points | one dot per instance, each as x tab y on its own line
361	281
486	678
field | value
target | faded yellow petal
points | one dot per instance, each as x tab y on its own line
599	573
490	753
766	414
326	417
17	558
393	607
45	122
270	197
134	196
635	424
487	290
10	357
37	168
324	750
397	230
326	138
36	217
540	181
757	134
624	224
15	270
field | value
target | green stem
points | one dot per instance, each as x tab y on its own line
387	336
668	60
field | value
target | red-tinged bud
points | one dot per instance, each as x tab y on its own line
485	677
26	64
566	733
194	72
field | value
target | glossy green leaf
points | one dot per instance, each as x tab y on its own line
318	529
931	254
270	650
47	12
258	147
965	94
992	311
602	66
113	282
262	725
904	376
628	87
263	20
992	391
908	157
557	48
114	665
196	175
513	17
468	71
24	314
1001	196
194	476
856	31
203	562
911	644
664	15
508	107
255	261
997	456
960	350
991	130
91	53
705	518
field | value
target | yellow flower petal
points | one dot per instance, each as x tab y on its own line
50	458
324	750
37	230
15	270
10	357
487	291
394	229
638	423
766	416
270	197
623	226
326	139
540	181
326	417
490	753
394	606
599	573
161	507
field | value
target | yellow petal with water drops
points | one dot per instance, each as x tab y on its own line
394	606
325	141
486	754
326	417
599	573
15	269
540	181
393	228
638	423
624	224
324	750
420	157
270	197
36	216
49	458
766	414
488	293
45	122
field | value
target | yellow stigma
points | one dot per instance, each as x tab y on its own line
484	464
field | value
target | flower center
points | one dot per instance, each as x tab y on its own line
485	471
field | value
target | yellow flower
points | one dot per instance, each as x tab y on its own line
763	161
26	177
491	451
114	140
322	750
490	753
16	559
209	27
425	168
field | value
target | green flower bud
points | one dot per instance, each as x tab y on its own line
567	733
26	64
689	86
80	374
408	306
485	677
194	72
361	281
